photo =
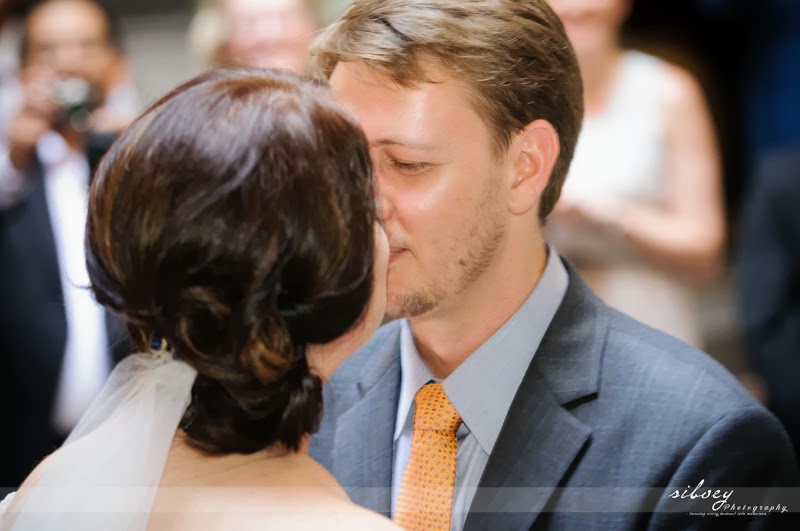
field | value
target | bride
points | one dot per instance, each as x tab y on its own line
233	226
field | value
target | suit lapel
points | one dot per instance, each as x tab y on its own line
34	219
37	229
356	437
538	444
364	445
541	440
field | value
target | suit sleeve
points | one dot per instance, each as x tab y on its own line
747	454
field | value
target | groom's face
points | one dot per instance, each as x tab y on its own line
439	194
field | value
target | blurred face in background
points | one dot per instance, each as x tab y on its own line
268	33
70	38
592	24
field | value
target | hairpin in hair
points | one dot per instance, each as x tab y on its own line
160	347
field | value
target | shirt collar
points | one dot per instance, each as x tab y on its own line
414	373
484	385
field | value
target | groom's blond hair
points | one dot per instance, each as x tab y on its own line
513	55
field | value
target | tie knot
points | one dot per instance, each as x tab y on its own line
433	411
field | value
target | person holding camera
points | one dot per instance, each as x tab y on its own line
73	98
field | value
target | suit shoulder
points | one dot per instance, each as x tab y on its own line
386	333
658	398
375	356
382	343
657	364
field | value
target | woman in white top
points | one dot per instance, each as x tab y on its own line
641	212
235	222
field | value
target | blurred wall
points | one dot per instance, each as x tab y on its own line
157	49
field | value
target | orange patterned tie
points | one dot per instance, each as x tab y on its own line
425	500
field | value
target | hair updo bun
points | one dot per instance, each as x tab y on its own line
241	234
269	352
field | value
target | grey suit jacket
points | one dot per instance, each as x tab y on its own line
610	419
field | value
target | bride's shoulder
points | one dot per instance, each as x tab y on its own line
248	515
291	492
358	518
347	517
344	516
19	495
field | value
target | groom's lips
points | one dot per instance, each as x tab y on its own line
395	253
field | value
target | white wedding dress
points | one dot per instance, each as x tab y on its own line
107	473
5	503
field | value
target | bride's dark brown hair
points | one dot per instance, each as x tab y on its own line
234	218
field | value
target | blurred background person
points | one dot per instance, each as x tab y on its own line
258	33
641	214
747	55
10	30
769	283
68	73
57	341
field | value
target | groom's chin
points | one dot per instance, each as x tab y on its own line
407	305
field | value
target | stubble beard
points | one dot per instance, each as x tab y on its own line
466	261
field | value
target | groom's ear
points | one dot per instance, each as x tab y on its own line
533	153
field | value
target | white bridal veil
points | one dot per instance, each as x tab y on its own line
106	475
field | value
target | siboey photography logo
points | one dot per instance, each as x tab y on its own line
706	501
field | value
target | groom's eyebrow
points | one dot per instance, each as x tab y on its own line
390	141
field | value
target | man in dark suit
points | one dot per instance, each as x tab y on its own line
506	395
58	345
769	283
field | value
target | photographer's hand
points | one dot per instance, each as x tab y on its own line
106	120
34	118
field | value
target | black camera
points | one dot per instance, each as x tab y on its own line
76	99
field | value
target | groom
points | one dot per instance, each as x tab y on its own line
506	395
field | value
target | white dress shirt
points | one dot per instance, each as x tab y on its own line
86	363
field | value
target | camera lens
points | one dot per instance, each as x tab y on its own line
76	99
